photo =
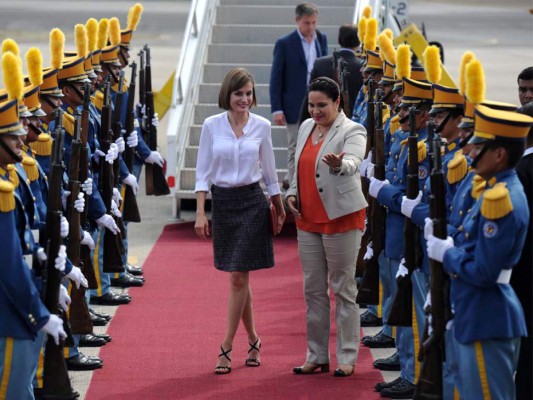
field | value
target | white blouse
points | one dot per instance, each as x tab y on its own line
228	161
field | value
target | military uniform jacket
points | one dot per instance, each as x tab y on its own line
494	234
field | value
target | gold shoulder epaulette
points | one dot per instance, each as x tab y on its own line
386	114
68	123
457	168
394	124
404	142
478	185
496	202
114	87
13	176
7	196
43	145
422	151
30	167
98	100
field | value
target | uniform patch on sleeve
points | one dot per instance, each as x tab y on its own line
490	229
422	172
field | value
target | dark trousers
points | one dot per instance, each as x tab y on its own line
523	382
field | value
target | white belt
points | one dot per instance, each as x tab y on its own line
505	276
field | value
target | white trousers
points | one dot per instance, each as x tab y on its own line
334	257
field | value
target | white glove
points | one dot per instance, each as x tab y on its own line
132	140
154	158
114	209
64	298
121	144
107	221
79	203
64	227
87	186
140	109
97	154
131	181
428	228
375	186
54	327
61	259
87	240
112	153
408	205
402	269
77	277
427	306
438	247
41	255
369	252
366	169
116	196
155	120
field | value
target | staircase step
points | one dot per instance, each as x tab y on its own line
262	34
282	15
279	135
214	73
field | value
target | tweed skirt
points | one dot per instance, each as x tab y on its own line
242	240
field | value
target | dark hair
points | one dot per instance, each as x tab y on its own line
234	80
348	36
325	85
527	109
514	150
457	112
306	9
526	74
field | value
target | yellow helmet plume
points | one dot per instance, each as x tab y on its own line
12	67
386	46
433	64
92	31
103	29
134	16
10	45
367	12
80	34
371	34
34	61
361	29
114	31
403	61
467	57
475	82
389	33
57	44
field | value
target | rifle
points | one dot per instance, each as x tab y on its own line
335	59
85	252
142	89
130	209
343	84
112	243
429	384
156	183
401	313
56	381
80	319
369	289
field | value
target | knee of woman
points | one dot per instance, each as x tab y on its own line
239	279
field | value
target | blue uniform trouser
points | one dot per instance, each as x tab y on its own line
406	352
38	357
450	371
420	290
16	359
487	368
102	278
388	268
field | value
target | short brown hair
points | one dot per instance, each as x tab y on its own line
234	80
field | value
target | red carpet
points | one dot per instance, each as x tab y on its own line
166	341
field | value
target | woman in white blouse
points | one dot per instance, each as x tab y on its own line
235	152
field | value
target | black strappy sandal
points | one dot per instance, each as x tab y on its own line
254	362
223	369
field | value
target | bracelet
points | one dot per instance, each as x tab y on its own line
336	169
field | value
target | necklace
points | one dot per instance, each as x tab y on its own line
319	136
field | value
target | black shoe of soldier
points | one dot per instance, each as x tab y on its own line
127	280
379	341
402	390
391	363
383	385
103	315
134	269
91	340
111	299
368	319
81	362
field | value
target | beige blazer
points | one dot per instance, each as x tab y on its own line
340	192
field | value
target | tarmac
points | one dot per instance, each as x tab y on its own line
500	34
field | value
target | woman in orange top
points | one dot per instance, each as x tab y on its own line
327	200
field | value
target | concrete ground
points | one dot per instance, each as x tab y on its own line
499	34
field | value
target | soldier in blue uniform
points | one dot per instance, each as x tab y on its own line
489	319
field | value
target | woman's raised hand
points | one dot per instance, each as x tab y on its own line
333	160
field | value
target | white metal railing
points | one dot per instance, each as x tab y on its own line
185	88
